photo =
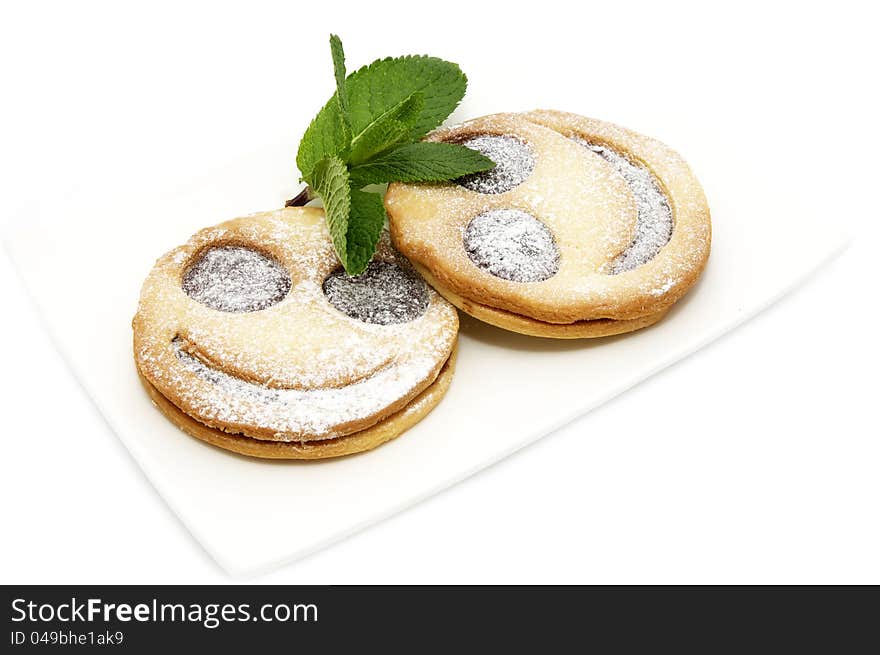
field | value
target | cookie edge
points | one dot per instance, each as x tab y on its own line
500	318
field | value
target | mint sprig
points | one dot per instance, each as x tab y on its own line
368	133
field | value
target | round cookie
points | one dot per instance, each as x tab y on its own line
583	228
252	331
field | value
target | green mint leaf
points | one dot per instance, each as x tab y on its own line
355	218
330	181
420	162
338	55
327	136
376	90
393	128
364	228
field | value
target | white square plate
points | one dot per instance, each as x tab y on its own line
84	265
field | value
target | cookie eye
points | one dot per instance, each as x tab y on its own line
384	294
654	221
512	245
235	279
514	162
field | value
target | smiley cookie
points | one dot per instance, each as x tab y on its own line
582	229
251	337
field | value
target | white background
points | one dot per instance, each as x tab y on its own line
755	460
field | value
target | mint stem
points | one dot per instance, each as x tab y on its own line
301	198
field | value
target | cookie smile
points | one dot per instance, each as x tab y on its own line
366	439
654	222
292	414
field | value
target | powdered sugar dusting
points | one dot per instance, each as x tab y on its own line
512	245
293	413
654	222
384	294
236	279
514	162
